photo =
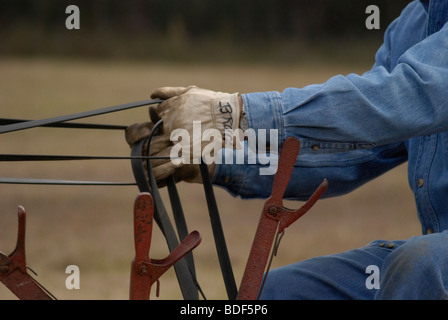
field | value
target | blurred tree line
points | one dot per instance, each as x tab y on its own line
32	26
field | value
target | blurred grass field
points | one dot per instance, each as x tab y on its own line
91	227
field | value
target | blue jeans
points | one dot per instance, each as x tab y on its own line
414	269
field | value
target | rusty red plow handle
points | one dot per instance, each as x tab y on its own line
274	219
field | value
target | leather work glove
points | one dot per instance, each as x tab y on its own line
161	147
183	106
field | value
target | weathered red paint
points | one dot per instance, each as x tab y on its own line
13	273
144	270
274	218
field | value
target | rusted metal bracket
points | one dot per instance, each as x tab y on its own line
13	269
144	270
274	220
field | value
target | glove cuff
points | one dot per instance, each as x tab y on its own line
226	113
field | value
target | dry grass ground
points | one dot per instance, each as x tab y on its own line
91	227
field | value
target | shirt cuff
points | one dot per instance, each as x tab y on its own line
238	178
264	111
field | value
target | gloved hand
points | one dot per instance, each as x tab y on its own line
161	147
183	106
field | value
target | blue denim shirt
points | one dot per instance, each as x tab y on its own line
354	128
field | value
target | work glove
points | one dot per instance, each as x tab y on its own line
161	147
182	106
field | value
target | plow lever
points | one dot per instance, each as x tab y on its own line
146	271
274	220
13	269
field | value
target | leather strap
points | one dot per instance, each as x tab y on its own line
218	234
49	121
150	185
184	275
179	218
70	125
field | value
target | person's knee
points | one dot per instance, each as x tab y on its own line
334	277
419	253
417	269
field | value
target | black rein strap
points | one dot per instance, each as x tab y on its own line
218	233
75	116
183	272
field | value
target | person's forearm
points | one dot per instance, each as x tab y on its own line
344	172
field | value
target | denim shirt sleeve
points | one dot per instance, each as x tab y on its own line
344	172
353	112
